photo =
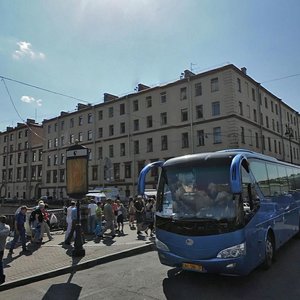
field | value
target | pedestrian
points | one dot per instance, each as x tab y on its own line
131	211
92	216
46	222
150	210
98	228
139	213
20	232
121	215
109	217
4	232
69	218
73	227
115	210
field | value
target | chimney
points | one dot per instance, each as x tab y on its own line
109	97
142	87
244	70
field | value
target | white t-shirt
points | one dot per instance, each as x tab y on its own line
69	214
92	209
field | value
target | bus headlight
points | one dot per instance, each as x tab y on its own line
161	246
233	252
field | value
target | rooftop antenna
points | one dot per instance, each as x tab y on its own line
191	66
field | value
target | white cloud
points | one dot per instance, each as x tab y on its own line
25	50
29	99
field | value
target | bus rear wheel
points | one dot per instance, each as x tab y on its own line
269	252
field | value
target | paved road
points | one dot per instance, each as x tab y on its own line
143	277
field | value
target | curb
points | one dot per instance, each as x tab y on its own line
81	266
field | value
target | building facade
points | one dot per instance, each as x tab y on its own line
21	161
218	109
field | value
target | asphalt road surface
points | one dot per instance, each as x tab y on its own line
143	277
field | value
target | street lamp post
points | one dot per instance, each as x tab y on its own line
290	135
77	187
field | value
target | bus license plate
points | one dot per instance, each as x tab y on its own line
192	267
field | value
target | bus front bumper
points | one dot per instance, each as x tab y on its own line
228	266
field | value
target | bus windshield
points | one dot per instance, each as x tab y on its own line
198	192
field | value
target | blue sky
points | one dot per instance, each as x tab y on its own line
85	48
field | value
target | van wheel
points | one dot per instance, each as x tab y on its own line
269	252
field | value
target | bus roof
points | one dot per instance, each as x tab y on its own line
228	153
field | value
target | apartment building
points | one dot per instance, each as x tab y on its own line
21	161
218	109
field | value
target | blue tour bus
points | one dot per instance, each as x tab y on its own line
224	212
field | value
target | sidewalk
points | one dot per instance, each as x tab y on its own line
54	258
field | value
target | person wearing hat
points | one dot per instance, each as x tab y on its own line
4	232
20	232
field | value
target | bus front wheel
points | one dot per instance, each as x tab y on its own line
269	251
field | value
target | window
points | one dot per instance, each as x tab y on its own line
149	145
184	115
185	140
200	137
164	142
116	171
100	153
122	149
110	112
214	84
135	105
149	122
19	157
111	130
242	135
239	85
253	95
49	160
149	101
136	125
71	123
241	108
80	136
198	89
49	129
267	121
122	128
62	158
100	115
269	144
250	137
62	125
20	134
90	135
49	144
100	132
266	102
48	176
33	156
71	138
199	111
163	97
215	108
55	127
54	176
128	170
256	140
62	175
217	135
55	163
111	150
94	173
122	109
183	95
163	118
90	118
254	115
80	120
56	142
136	146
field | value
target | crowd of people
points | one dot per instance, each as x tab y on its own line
108	215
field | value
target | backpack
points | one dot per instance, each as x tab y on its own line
32	217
